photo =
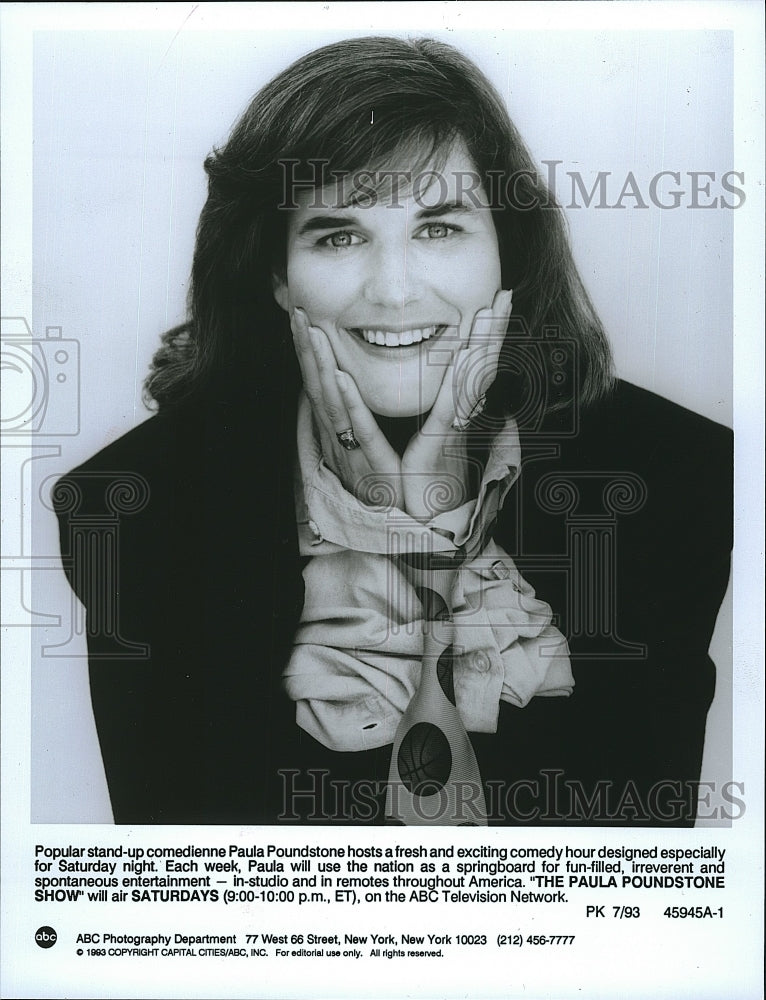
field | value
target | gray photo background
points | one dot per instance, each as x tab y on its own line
122	122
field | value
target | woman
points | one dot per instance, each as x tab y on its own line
385	317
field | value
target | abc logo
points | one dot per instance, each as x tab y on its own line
45	937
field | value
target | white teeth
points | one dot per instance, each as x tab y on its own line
384	338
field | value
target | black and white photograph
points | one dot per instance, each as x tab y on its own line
375	383
392	377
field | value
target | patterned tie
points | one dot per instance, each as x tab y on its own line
434	777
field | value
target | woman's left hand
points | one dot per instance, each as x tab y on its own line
436	472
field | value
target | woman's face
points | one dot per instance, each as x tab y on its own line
395	283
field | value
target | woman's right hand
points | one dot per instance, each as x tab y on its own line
371	469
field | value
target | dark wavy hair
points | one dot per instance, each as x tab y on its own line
425	95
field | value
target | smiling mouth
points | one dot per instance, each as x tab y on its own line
386	338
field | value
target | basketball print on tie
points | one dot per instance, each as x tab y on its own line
424	760
434	777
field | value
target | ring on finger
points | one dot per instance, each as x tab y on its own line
462	424
348	439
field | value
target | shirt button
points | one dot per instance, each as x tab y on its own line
499	570
481	662
314	529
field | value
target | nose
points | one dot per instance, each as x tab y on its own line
392	279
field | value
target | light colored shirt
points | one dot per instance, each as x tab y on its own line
357	655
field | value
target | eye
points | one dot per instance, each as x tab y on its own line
340	240
438	231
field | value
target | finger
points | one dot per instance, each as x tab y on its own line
489	325
376	476
501	309
451	400
473	369
299	323
333	409
476	368
378	452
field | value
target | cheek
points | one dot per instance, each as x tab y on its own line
471	281
483	269
298	284
321	290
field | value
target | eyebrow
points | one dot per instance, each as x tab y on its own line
315	222
320	222
446	208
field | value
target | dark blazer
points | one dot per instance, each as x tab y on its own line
180	540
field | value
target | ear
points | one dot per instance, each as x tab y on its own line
281	294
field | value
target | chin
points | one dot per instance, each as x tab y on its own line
392	407
391	400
